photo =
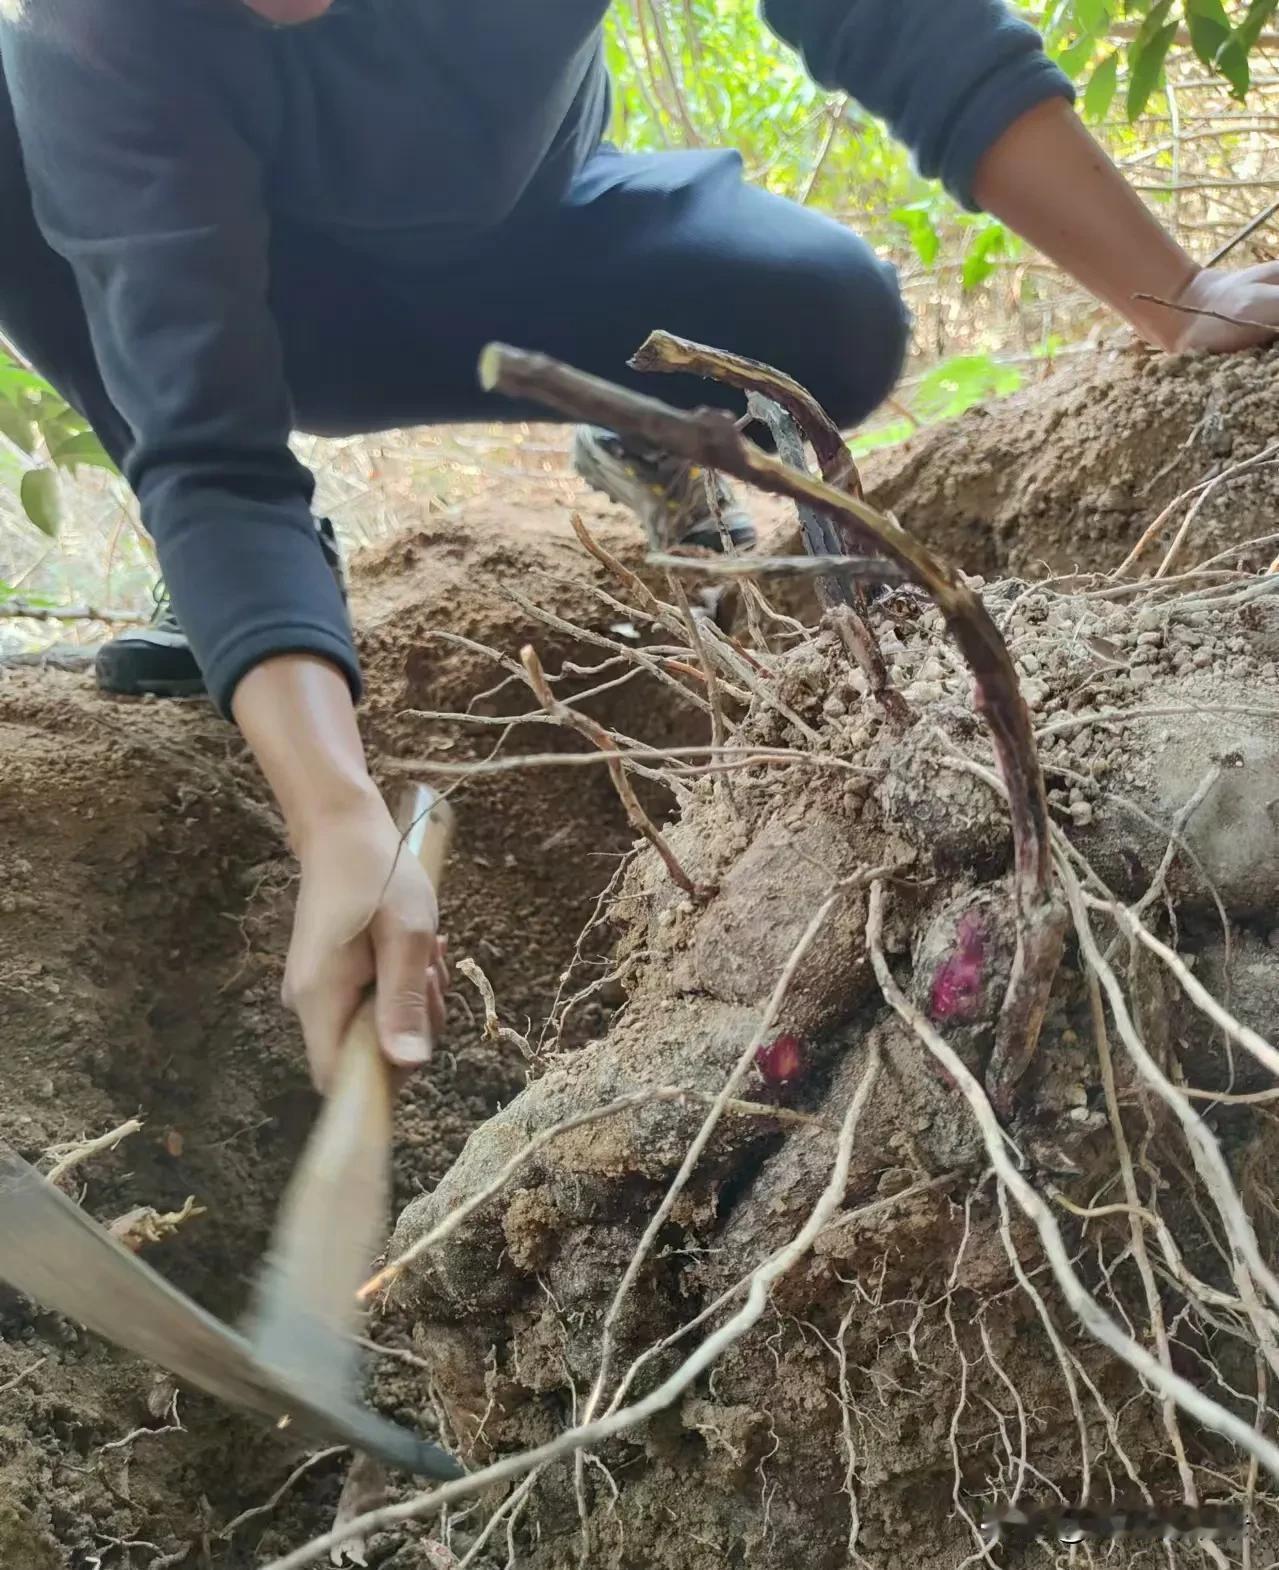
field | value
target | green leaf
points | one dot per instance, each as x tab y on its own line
1093	16
1232	63
14	381
1254	23
889	435
918	223
978	258
1100	92
1209	29
956	385
16	426
1074	59
1146	63
1216	45
82	450
41	500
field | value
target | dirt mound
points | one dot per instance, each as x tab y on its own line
144	906
919	1358
896	1363
899	1370
1070	472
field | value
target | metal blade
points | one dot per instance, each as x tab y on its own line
57	1255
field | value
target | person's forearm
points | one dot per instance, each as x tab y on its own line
1049	181
297	714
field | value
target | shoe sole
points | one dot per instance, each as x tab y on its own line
153	689
119	684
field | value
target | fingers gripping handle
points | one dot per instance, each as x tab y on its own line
333	1218
363	1088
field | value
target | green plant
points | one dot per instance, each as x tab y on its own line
956	385
1094	38
707	73
41	435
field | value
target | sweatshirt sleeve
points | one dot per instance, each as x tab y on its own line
948	76
141	180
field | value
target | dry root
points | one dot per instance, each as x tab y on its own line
814	1247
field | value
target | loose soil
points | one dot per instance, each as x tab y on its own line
145	892
1067	474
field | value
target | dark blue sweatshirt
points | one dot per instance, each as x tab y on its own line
161	137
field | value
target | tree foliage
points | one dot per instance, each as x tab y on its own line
41	434
1095	39
693	73
706	72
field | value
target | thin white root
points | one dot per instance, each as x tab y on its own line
589	1435
1094	1318
650	1096
1206	1153
494	1030
695	1150
298	1472
1195	990
71	1155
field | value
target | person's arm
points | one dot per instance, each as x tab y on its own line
366	909
966	85
1049	181
141	180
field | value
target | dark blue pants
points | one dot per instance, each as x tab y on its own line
670	240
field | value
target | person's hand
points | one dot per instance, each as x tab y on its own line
1051	182
1243	307
366	913
366	910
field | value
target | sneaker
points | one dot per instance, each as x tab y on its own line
668	495
156	660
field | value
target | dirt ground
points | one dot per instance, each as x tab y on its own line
143	921
1067	474
144	900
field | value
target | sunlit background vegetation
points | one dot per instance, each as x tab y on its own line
1184	92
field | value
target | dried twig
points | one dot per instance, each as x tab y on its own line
1248	230
719	724
858	569
599	737
665	352
1199	310
26	610
630	581
724	758
588	635
846	609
